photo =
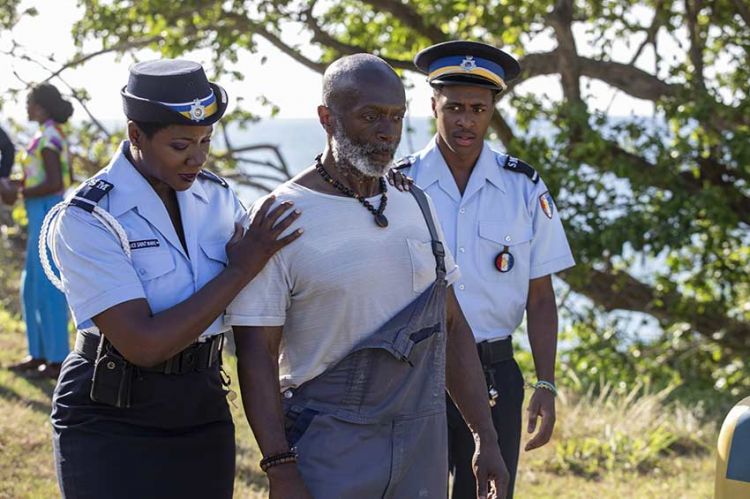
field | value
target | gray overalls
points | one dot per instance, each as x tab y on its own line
373	425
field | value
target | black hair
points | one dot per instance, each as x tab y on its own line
48	97
149	129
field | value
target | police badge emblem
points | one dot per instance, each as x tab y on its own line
504	261
545	201
468	64
197	110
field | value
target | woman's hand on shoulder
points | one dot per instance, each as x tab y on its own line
399	180
250	252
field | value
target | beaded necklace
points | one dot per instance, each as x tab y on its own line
380	218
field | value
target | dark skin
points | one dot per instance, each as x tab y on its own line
372	115
167	160
463	115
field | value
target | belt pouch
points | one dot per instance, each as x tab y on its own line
113	377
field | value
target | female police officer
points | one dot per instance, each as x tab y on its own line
140	410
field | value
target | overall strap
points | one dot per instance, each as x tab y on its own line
437	247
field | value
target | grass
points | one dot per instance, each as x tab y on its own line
679	462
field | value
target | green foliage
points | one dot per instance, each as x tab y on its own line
9	14
606	430
656	203
590	457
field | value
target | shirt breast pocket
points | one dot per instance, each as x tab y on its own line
216	260
151	264
422	264
497	236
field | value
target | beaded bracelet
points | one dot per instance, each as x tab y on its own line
277	459
547	386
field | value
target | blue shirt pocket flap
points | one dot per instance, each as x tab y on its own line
215	251
505	233
152	263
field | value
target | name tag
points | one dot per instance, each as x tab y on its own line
145	243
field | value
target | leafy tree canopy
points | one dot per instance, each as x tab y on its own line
657	203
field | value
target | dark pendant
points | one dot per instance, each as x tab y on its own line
380	220
504	261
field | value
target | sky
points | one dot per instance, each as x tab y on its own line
286	83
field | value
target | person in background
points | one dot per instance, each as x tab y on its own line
46	175
502	225
7	154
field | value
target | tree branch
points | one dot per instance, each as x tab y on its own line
409	17
119	47
324	38
743	10
692	8
620	291
561	20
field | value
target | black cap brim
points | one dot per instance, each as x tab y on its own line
146	111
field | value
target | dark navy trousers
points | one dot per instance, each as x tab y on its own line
506	417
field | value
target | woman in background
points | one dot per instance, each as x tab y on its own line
46	175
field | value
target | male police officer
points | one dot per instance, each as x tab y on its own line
502	226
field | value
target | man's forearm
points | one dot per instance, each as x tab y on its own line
463	374
257	369
541	319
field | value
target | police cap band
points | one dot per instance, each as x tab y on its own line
467	63
172	91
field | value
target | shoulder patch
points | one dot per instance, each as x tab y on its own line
404	162
90	193
516	165
213	178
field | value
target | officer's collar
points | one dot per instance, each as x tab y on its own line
486	168
131	186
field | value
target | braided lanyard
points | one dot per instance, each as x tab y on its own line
93	191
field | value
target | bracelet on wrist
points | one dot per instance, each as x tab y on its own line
277	459
546	385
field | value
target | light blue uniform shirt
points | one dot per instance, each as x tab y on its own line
95	270
498	208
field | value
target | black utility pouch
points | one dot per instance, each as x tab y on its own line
113	378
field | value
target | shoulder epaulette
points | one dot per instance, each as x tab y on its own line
516	165
213	178
90	193
404	162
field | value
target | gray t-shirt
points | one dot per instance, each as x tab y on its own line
339	282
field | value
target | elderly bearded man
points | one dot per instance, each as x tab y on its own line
347	340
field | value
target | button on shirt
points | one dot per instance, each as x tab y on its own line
97	274
498	209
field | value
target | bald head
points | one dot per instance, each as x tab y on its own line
355	76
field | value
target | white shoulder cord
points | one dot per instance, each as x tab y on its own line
50	222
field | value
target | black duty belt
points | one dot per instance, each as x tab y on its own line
196	357
492	352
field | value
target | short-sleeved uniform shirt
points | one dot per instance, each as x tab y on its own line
340	281
50	136
500	210
95	270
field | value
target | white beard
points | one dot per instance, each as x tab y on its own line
346	152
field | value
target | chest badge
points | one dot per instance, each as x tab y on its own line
504	261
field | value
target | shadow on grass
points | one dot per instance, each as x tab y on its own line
251	477
44	385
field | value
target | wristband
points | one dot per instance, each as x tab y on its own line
277	459
546	385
